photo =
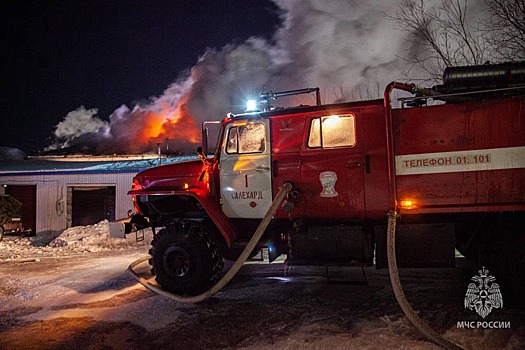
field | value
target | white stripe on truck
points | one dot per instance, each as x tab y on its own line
460	161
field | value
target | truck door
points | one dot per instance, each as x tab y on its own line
332	168
245	173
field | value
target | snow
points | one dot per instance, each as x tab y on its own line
80	274
92	238
371	334
74	240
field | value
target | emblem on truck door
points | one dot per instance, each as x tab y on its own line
286	125
328	180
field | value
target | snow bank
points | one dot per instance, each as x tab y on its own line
78	239
90	238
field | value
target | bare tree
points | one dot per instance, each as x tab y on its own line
371	88
507	29
440	36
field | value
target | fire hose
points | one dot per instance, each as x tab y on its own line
287	187
421	325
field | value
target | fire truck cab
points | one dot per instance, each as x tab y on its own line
451	162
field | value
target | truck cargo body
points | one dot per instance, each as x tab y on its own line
465	157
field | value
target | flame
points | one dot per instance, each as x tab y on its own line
168	123
154	125
183	126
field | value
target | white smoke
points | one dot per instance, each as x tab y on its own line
347	48
79	121
341	46
79	127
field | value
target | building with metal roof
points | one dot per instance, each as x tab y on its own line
61	192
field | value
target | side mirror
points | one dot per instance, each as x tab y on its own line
204	136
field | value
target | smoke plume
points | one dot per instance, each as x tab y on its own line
347	48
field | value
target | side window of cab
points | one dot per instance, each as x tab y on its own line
332	131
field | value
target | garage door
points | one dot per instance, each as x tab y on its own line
90	205
26	194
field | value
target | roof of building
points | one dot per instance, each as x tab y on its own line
82	165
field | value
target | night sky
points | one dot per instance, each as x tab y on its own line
60	55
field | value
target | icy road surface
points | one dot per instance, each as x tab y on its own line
75	294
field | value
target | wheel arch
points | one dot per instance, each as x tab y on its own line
209	207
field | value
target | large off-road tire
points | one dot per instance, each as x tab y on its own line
186	258
1	233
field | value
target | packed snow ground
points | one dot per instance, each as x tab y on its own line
71	291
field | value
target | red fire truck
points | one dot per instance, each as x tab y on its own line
449	160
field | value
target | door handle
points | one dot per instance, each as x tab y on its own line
353	164
262	168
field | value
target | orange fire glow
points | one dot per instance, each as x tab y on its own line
168	123
154	125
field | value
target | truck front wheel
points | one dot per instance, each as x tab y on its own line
186	258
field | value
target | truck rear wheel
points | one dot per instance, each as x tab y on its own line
186	258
